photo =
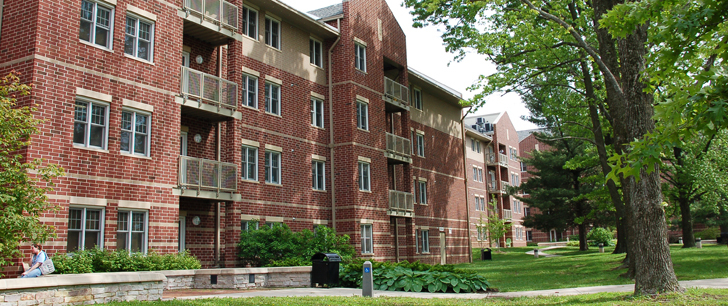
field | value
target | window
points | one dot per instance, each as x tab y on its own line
139	38
131	234
317	173
316	55
84	228
526	211
90	127
362	115
364	177
272	33
250	163
272	224
250	91
134	133
247	225
273	99
360	57
421	145
412	142
529	235
96	23
472	144
477	203
524	167
317	113
272	167
425	241
417	241
480	174
367	245
481	231
417	97
477	144
250	22
423	192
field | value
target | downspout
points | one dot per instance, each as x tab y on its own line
467	198
331	133
218	205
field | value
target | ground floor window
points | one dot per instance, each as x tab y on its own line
425	241
132	231
367	245
85	228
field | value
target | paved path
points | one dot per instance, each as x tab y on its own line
542	254
721	283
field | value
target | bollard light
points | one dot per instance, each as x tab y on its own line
601	248
367	283
699	243
535	253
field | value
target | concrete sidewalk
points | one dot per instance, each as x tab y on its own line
720	283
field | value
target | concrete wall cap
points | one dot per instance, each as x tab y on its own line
81	279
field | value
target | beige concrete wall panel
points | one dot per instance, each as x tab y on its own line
438	114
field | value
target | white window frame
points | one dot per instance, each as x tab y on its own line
83	229
134	131
272	39
420	145
365	174
247	22
245	224
360	57
317	112
88	123
480	175
250	91
472	144
475	173
130	230
477	144
425	241
417	97
270	169
318	175
138	21
477	203
367	239
94	24
316	53
417	241
246	163
524	167
423	192
362	115
272	105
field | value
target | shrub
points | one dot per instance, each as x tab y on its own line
600	235
532	244
416	277
708	233
100	260
573	243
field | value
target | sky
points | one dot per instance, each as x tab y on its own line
434	62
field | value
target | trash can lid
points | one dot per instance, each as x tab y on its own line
331	257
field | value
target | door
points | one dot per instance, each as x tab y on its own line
182	228
182	152
442	248
185	59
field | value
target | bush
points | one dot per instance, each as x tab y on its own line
279	246
415	277
573	243
100	260
708	233
600	235
531	244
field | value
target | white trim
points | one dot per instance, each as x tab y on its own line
366	221
320	222
359	41
252	72
249	217
274	219
187	49
420	132
364	159
422	179
137	105
271	147
135	205
88	201
141	13
93	94
318	95
109	2
318	157
362	99
251	143
273	80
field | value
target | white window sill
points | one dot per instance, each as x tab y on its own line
367	254
274	115
96	46
359	70
250	107
425	253
319	190
367	191
250	37
135	156
423	204
77	146
316	66
139	59
318	127
273	48
363	130
249	181
274	184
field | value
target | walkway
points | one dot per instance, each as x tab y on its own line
542	254
720	283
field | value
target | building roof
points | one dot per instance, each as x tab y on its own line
489	118
482	136
434	82
329	11
525	133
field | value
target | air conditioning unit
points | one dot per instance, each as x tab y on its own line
488	128
479	121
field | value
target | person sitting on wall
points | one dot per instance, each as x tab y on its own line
36	261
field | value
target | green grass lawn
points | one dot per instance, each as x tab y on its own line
692	297
513	270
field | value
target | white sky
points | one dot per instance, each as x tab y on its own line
426	54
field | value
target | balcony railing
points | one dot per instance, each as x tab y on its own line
396	91
505	185
209	89
219	12
503	159
507	214
205	174
493	187
490	159
401	203
399	145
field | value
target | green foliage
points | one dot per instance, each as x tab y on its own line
496	227
532	244
573	243
22	195
600	235
280	246
414	277
708	233
101	260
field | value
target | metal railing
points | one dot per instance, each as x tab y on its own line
219	12
398	145
209	88
205	174
493	187
507	214
396	90
505	185
490	158
401	201
503	159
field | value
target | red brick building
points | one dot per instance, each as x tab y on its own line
180	123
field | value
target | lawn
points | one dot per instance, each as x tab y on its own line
513	270
693	297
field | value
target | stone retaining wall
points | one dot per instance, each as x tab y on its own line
239	278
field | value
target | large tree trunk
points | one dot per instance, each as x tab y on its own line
687	221
583	244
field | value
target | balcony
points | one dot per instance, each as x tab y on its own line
507	214
208	97
207	179
398	150
493	187
504	186
396	95
401	204
212	21
503	159
490	159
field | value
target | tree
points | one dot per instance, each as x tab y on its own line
23	183
495	227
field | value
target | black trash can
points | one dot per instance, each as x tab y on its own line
325	269
485	254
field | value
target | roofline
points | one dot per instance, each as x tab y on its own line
323	25
435	83
469	131
500	115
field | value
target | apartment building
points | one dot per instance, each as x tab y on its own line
502	169
182	122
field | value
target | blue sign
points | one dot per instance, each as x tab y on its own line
367	270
